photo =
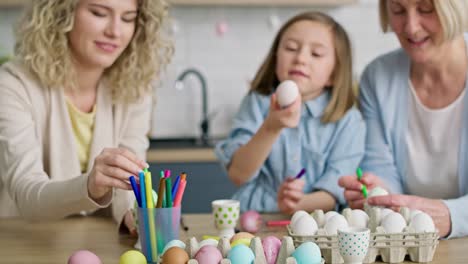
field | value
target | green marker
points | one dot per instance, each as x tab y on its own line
364	191
359	173
363	187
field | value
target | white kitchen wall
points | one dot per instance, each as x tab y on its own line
229	61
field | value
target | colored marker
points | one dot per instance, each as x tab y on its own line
161	193
301	173
168	193
142	189
149	190
136	191
363	187
180	192
175	187
278	222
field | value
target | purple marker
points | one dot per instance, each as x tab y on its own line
301	173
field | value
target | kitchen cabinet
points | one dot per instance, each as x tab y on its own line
16	3
206	181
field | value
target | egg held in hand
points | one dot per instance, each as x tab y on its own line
286	93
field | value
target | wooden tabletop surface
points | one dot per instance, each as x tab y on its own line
53	242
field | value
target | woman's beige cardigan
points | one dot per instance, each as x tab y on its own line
40	177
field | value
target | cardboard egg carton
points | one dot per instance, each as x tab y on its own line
392	247
224	246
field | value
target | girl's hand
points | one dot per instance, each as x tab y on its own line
435	208
289	195
129	222
279	118
112	169
353	187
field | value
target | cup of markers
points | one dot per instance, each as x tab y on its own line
158	215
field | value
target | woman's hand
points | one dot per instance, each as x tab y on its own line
353	188
435	208
289	195
112	169
279	118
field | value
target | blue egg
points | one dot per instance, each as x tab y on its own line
241	254
174	243
307	253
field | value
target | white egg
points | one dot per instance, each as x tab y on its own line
305	226
297	215
358	218
335	223
329	215
422	222
414	212
378	191
393	223
383	213
286	93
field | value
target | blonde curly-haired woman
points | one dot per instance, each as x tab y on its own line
75	106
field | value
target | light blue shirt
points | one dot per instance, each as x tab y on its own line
384	100
326	151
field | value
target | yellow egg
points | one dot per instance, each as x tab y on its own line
175	255
241	235
243	241
132	257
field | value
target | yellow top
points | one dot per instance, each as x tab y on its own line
83	127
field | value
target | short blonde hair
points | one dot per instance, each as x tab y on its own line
343	96
42	46
451	13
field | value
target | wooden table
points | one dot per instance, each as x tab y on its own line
53	242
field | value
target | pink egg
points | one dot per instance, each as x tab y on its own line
84	257
251	221
271	247
208	255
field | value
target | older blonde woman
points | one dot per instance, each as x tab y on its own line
75	106
415	104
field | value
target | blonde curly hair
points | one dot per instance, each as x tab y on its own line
42	46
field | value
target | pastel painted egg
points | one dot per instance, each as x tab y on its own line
287	93
241	254
422	222
174	243
208	241
334	223
243	241
307	253
208	255
271	246
132	257
84	256
175	255
241	235
251	221
393	223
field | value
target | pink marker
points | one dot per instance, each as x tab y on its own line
278	223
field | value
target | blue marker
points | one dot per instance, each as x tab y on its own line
175	187
135	190
142	189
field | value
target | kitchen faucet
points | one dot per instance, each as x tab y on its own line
179	84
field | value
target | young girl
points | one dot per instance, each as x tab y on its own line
321	131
